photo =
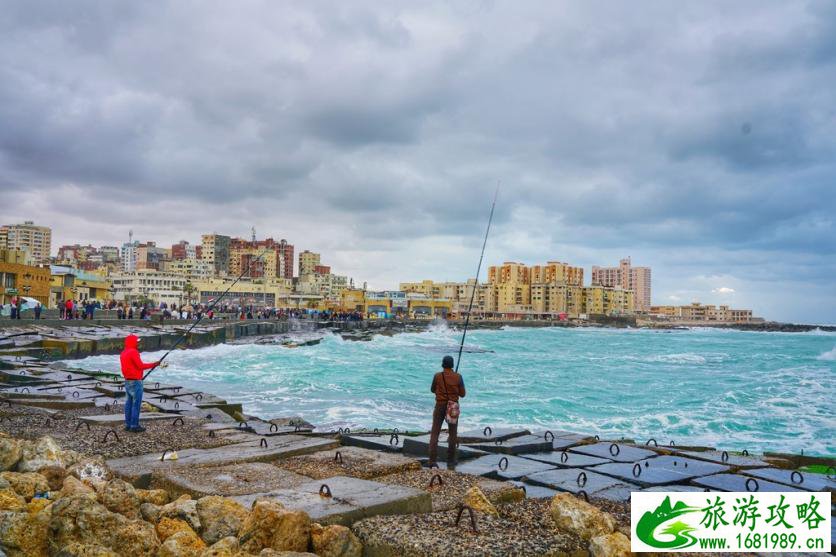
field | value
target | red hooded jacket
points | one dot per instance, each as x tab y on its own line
132	364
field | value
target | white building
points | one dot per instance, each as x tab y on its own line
129	250
148	284
191	268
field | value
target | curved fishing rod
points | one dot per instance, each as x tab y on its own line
476	284
200	316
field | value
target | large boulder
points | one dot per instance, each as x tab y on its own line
220	517
26	484
184	508
150	512
476	500
11	501
40	454
38	504
73	486
23	534
10	453
91	470
120	497
81	519
86	550
271	526
182	544
157	497
54	476
335	541
610	545
167	527
574	515
227	547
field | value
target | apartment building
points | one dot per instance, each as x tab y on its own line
35	241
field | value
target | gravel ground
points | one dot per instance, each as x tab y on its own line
31	423
524	528
450	493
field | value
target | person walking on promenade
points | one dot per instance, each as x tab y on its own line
132	370
448	387
38	308
69	308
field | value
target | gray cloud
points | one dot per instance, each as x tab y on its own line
697	138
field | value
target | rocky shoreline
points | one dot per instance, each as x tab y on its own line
205	479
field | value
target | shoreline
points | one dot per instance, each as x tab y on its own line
257	474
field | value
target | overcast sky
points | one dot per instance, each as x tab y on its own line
698	138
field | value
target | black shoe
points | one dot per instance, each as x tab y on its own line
137	429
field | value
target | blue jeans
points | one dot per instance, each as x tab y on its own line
133	402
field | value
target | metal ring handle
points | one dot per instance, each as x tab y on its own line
637	470
745	452
24	389
394	437
157	385
580	483
755	482
198	396
243	425
76	394
800	477
584	494
176	405
597	438
505	459
211	433
547	434
617	449
652	440
338	457
724	456
436	477
564	457
487	431
263	443
498	442
324	491
472	516
109	431
178	419
274	428
671	444
80	423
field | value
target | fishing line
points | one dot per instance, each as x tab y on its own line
210	308
476	284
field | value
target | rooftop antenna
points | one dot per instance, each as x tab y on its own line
130	236
253	234
476	284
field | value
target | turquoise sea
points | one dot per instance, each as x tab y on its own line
730	389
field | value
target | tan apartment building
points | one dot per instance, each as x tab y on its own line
36	241
215	251
556	272
626	277
702	313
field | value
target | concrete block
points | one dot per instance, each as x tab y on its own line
805	481
575	480
351	500
617	452
516	445
738	482
390	443
566	459
227	481
420	446
729	459
488	434
507	467
138	469
659	470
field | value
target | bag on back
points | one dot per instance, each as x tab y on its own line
453	409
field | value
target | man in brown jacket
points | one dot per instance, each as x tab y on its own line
447	386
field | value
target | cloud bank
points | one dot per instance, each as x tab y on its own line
699	139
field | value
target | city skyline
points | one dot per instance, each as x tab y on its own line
697	140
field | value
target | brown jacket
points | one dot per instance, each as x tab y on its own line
447	385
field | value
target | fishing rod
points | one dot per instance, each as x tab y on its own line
183	336
476	284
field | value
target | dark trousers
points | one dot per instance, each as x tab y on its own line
452	438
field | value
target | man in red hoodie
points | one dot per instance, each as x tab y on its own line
132	370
